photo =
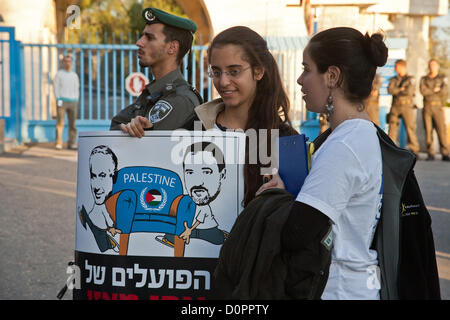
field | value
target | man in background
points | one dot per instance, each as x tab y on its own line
402	88
434	88
67	90
372	103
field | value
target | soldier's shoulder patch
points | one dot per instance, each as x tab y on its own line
160	110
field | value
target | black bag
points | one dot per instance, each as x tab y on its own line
253	264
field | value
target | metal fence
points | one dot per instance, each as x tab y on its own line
102	69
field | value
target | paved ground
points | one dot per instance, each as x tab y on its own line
37	219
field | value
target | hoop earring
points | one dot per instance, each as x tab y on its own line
329	107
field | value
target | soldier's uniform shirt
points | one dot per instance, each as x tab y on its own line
168	103
433	114
403	107
371	103
323	122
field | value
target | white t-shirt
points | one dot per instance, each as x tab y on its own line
345	183
205	216
66	85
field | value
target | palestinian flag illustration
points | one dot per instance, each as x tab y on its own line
153	198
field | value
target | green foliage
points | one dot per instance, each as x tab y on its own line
115	21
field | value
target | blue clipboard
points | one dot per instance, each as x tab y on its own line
293	166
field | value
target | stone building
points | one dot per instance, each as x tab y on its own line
406	23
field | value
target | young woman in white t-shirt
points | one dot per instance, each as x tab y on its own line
345	181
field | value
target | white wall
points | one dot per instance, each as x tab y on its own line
267	17
35	21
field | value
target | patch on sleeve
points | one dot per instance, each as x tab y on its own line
327	241
159	111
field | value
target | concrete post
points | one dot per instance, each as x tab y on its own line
2	136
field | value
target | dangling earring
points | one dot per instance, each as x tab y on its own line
329	106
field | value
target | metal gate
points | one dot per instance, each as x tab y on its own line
27	70
10	83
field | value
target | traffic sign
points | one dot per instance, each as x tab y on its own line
135	82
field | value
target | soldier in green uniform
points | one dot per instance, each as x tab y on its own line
372	103
433	87
323	122
402	88
166	103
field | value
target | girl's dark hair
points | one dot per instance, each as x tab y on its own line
270	107
356	55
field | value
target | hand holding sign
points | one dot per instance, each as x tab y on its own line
136	126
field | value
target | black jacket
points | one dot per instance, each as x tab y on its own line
253	263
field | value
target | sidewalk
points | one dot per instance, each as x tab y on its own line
37	215
47	150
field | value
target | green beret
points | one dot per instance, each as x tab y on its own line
153	15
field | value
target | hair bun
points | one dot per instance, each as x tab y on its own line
376	49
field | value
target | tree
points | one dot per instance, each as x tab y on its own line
115	21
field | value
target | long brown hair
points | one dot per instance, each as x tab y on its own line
270	107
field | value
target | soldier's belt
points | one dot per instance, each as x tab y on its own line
403	102
433	103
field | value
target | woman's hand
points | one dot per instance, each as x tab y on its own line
275	182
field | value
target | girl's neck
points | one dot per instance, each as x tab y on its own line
345	110
233	117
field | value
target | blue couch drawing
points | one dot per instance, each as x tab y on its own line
149	199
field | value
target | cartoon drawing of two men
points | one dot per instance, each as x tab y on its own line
204	171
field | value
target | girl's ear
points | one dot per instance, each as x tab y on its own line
258	73
333	77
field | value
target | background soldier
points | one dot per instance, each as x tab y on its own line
372	103
166	103
433	87
323	122
402	89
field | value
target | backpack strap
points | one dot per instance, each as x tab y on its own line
315	145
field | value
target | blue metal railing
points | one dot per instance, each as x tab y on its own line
102	69
11	91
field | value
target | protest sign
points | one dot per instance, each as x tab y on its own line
152	213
